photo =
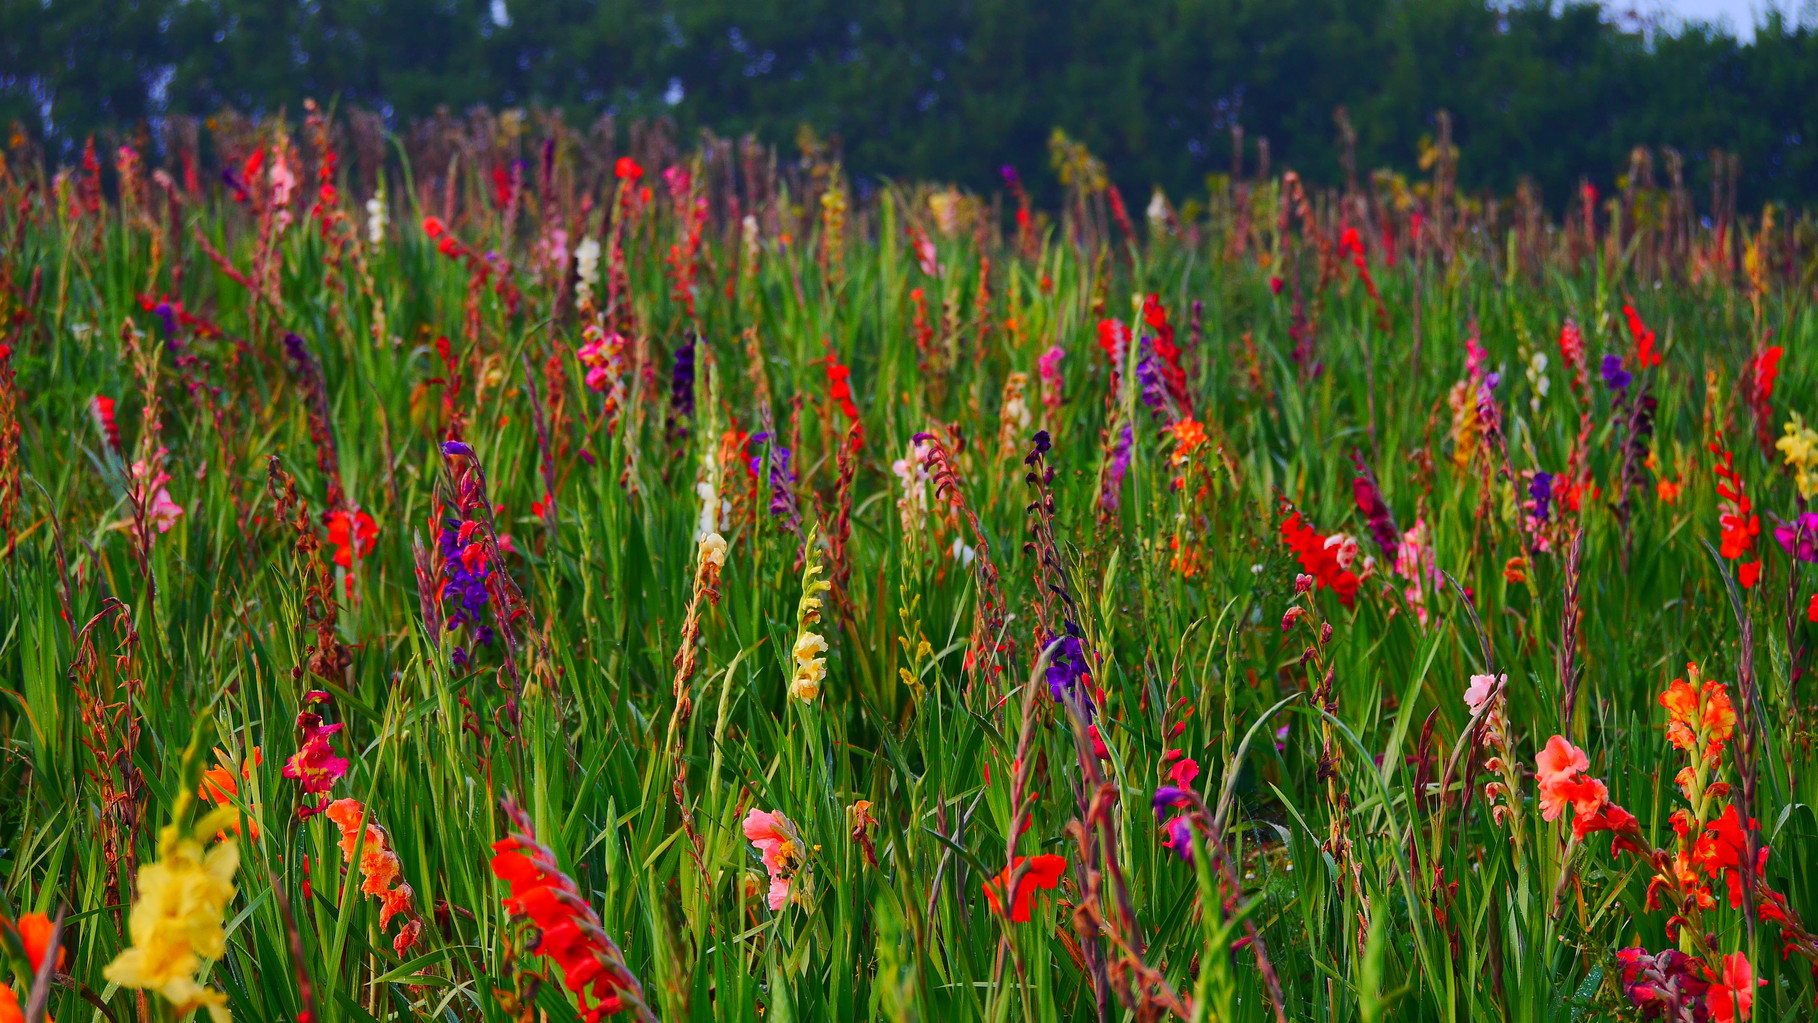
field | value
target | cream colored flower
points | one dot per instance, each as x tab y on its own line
806	685
713	550
809	647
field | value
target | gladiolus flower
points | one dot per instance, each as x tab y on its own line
432	226
1645	355
1321	558
351	533
176	920
1732	994
380	869
1184	772
1800	537
627	169
1667	985
568	931
779	845
1480	690
1557	769
34	931
315	765
219	784
1042	872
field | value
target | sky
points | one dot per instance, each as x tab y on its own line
1740	15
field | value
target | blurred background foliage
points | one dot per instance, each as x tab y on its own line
952	89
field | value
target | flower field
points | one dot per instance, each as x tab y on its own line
512	572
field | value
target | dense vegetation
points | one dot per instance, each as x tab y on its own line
947	90
535	575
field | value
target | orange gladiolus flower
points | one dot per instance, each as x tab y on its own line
380	870
220	783
34	931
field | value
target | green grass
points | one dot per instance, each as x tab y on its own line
119	650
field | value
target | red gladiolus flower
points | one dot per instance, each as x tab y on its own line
1811	610
1571	345
1737	521
1114	338
1042	872
1645	355
1320	558
839	388
568	931
102	408
432	226
1732	994
627	169
351	534
1767	370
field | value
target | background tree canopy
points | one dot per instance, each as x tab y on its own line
953	89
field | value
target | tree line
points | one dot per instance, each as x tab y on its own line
1168	92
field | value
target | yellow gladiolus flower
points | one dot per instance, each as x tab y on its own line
176	920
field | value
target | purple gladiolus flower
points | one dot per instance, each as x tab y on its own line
782	495
465	588
681	380
1120	465
1068	670
1180	836
455	447
1614	376
1540	488
1149	378
1168	797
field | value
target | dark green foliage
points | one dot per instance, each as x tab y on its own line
952	89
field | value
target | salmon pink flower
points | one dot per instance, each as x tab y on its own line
381	872
1480	690
779	845
1558	769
